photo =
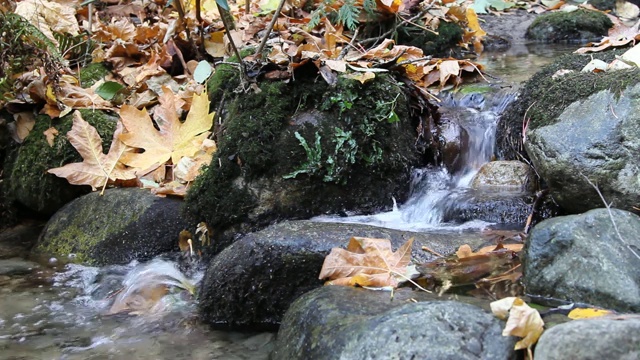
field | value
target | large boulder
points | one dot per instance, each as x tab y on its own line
504	175
606	339
598	140
578	125
120	226
251	283
581	258
303	148
346	323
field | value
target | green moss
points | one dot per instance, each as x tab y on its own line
543	99
27	165
91	73
577	25
226	77
356	126
448	37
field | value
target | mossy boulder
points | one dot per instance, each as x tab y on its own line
577	26
120	226
303	148
26	165
542	98
92	73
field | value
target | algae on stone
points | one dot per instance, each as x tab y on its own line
28	182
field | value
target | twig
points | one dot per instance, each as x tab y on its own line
432	251
345	50
608	206
228	27
406	62
269	29
525	123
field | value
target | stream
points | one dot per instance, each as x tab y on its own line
52	310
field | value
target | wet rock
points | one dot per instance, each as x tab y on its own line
123	225
605	149
578	26
580	258
508	175
591	339
17	266
453	139
502	207
251	283
504	32
336	322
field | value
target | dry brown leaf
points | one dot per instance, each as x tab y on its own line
97	169
21	126
367	262
523	321
49	17
465	250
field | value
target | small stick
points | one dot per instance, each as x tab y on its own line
269	29
432	251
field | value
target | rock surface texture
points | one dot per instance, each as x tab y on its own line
251	283
591	339
336	322
123	225
581	259
597	138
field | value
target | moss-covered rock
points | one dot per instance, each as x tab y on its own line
116	228
576	26
27	180
543	98
439	43
302	148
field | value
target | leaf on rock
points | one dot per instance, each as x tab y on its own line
50	134
523	321
587	313
97	169
174	139
367	262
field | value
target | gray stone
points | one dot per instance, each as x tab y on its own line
580	258
251	283
591	339
598	138
514	175
502	207
577	26
336	322
122	225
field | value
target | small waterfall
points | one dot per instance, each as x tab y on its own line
433	190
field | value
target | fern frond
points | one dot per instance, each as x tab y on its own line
348	15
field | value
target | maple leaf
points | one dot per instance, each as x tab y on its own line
97	169
366	262
173	140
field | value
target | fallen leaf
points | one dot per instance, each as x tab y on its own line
50	134
97	169
173	140
586	313
523	321
367	262
21	126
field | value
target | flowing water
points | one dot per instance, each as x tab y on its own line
49	310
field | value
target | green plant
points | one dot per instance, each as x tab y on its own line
345	151
314	157
347	14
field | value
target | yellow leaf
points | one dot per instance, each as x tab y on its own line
580	313
366	262
96	169
174	140
474	24
523	321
